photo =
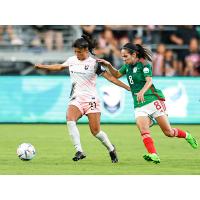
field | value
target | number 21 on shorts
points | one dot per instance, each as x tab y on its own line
92	105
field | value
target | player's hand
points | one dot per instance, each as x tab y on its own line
103	62
140	96
38	66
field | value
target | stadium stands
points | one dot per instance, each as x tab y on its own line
29	47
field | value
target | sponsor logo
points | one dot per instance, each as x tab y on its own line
113	98
86	67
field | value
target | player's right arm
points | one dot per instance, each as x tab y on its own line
54	67
114	80
112	70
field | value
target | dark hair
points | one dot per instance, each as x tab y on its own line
141	51
85	41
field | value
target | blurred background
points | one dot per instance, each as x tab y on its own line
34	96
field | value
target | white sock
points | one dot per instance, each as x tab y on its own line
105	141
74	134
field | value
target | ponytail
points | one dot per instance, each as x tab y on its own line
141	51
144	52
85	42
91	43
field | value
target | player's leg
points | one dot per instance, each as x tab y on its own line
94	123
73	114
143	123
165	126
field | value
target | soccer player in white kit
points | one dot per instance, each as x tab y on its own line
84	99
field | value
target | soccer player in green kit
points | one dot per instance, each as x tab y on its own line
148	100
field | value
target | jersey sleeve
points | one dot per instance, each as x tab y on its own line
66	63
100	69
147	70
122	70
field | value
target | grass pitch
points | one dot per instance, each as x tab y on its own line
54	151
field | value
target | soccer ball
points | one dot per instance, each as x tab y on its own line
26	151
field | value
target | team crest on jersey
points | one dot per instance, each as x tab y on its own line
146	70
86	67
134	69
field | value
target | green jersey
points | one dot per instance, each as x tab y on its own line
136	75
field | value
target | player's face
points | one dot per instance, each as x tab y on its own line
127	57
81	53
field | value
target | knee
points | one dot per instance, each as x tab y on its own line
95	131
168	132
68	118
144	130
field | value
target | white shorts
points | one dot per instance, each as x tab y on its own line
154	109
86	107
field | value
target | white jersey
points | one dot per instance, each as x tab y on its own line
83	77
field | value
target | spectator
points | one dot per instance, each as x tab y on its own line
88	30
14	39
38	39
182	36
197	70
103	49
152	34
123	41
108	46
137	40
158	60
121	31
170	64
192	60
53	37
114	45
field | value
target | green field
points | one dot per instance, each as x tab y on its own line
55	151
